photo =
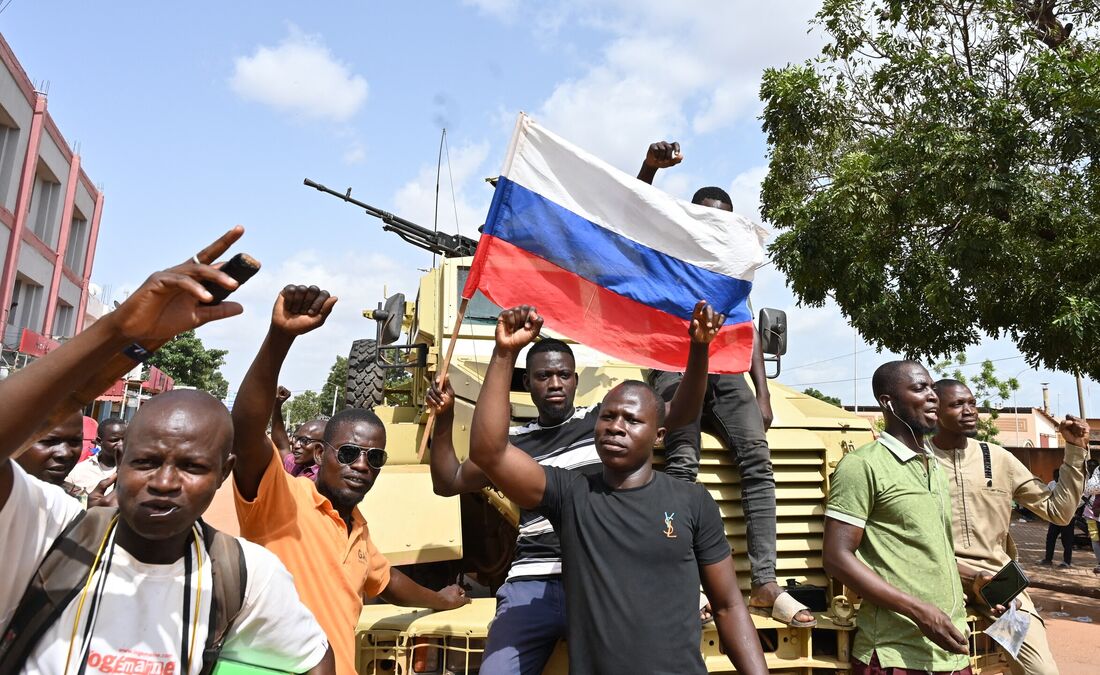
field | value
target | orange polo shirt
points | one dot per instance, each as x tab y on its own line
332	568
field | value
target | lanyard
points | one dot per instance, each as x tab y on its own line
186	645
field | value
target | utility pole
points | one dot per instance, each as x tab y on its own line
855	382
1081	396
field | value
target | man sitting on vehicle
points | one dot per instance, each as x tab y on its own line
984	480
136	584
740	417
635	543
316	529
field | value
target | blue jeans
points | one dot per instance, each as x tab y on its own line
530	620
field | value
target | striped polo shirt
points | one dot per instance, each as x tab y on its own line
568	445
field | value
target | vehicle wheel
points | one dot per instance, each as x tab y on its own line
366	379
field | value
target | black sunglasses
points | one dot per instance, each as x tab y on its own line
304	440
348	453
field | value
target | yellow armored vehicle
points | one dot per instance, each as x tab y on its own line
437	540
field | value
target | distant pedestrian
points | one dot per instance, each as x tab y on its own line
1055	532
1092	509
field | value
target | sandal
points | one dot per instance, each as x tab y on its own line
784	610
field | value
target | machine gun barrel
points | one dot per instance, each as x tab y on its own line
447	245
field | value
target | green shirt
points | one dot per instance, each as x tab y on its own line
901	500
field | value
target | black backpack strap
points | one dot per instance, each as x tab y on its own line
987	463
57	581
230	580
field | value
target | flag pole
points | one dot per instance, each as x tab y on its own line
442	375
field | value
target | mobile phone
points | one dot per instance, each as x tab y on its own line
241	267
1005	585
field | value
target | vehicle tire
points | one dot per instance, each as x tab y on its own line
366	379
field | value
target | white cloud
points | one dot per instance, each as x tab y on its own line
672	69
355	154
300	76
357	279
415	200
502	9
745	192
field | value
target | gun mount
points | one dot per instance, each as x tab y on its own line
441	243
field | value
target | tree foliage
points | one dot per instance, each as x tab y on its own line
822	396
306	406
937	173
335	385
990	391
189	363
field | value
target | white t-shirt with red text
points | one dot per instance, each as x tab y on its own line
139	625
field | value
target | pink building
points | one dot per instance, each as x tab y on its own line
49	221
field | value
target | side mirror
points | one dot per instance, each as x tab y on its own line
389	318
772	333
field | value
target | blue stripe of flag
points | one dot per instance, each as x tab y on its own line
536	224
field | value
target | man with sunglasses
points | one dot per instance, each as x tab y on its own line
304	446
316	528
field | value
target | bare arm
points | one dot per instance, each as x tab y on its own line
759	376
405	592
278	428
449	476
660	155
298	310
508	467
686	403
735	627
841	541
1058	505
168	303
327	666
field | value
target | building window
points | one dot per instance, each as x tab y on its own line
9	159
26	305
63	324
76	247
46	207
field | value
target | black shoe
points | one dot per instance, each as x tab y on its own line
1046	561
1064	565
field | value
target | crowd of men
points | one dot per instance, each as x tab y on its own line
110	567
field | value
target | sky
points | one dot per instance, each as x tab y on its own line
193	117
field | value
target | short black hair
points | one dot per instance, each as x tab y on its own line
885	379
351	416
109	422
658	402
948	383
711	192
548	345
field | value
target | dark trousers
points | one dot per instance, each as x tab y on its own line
730	412
1065	532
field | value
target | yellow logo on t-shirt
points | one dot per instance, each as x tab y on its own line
669	531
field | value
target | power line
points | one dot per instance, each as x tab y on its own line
858	379
833	358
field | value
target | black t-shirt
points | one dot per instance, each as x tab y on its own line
631	570
569	445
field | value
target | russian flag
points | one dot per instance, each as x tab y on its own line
610	261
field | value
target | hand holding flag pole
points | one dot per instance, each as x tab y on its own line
441	376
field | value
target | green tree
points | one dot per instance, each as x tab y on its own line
189	363
335	385
936	172
822	396
301	408
990	391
